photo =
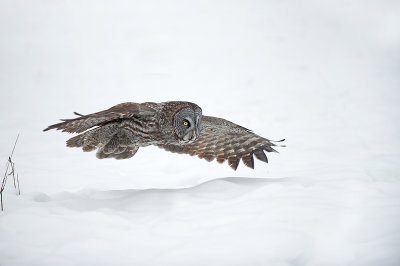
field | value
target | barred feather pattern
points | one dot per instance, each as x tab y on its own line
120	111
225	141
120	130
119	140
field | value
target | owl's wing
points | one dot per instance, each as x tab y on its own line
223	140
120	111
111	136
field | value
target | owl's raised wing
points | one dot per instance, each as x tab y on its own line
223	140
120	111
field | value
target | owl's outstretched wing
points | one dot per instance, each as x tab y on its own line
114	132
120	111
223	140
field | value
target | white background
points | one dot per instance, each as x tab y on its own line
322	74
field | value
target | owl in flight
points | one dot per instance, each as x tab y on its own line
175	126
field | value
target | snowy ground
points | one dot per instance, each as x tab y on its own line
322	74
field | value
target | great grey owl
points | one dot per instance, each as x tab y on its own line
174	126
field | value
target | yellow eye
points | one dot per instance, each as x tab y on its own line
185	123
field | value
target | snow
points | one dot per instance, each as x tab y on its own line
322	74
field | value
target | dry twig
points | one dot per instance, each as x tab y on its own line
12	172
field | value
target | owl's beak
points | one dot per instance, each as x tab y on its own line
193	135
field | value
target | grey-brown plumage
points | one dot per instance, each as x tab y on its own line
178	127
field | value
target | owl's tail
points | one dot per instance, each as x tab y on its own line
110	140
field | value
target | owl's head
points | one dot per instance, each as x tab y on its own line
185	119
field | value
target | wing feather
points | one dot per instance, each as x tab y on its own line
120	111
111	135
225	141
